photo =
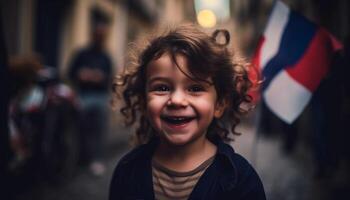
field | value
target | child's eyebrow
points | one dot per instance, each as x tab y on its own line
157	78
166	79
202	81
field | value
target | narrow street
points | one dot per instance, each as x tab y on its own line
284	176
59	58
84	185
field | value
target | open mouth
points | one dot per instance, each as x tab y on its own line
176	120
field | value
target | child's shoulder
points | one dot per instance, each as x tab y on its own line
240	164
137	154
242	175
133	155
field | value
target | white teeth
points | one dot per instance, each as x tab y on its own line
178	118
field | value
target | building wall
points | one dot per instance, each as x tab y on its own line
246	23
17	17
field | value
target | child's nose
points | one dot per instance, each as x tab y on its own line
177	98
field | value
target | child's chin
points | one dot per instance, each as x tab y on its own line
178	140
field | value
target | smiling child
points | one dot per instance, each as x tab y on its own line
183	82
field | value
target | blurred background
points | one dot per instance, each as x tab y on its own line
61	140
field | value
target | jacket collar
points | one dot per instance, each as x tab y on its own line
223	167
223	150
226	165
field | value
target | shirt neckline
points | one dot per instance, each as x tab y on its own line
171	172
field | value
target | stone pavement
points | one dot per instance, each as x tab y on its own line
85	186
287	177
282	175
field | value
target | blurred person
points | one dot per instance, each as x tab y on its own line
41	121
327	106
91	74
25	96
180	88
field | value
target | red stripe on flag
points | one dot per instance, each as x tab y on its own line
315	63
255	72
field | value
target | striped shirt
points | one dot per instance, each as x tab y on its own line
169	184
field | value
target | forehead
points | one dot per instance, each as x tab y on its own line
165	65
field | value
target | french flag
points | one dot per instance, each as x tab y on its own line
293	56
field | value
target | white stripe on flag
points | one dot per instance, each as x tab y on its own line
286	97
273	32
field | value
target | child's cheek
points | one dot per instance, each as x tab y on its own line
156	100
205	106
155	103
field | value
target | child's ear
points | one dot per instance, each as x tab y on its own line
220	108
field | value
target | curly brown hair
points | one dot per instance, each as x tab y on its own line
207	57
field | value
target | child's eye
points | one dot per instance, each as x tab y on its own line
161	88
196	88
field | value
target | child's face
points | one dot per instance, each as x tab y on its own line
180	109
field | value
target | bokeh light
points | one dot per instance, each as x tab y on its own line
206	18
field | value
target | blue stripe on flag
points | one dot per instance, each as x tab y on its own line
297	35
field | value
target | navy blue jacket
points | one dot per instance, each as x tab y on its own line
91	58
230	176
